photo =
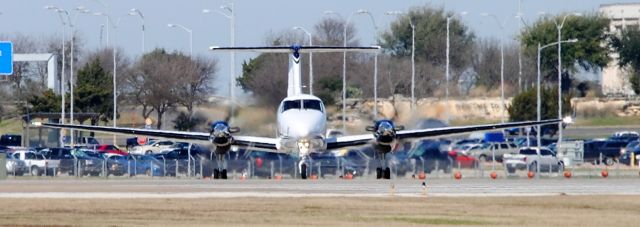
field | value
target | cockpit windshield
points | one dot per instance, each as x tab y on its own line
292	104
302	104
312	104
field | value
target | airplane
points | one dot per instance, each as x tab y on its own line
302	122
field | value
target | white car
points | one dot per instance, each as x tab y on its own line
36	163
154	147
529	158
15	167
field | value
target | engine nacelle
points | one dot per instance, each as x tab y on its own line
220	134
384	131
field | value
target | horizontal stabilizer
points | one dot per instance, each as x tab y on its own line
299	49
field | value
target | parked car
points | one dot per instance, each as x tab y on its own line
90	163
627	136
84	141
329	163
67	160
487	151
10	140
36	163
463	158
153	147
15	166
632	148
429	155
110	149
528	158
149	165
607	150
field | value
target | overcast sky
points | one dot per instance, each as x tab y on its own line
253	20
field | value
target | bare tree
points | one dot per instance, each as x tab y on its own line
196	82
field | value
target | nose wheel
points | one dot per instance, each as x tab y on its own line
383	173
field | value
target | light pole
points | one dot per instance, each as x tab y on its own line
501	25
539	99
559	28
115	65
229	12
190	36
375	64
134	12
70	24
62	81
344	65
413	56
310	58
446	87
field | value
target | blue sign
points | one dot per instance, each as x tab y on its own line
6	58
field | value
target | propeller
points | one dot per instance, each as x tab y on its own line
220	133
384	131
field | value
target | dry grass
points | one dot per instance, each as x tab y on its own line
339	211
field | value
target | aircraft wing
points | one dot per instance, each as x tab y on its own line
356	140
245	141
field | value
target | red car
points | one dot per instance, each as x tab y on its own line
111	149
461	155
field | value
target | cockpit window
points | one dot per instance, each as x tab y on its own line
293	104
312	104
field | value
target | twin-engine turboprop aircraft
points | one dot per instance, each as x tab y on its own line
301	122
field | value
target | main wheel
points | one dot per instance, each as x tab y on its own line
216	174
387	173
35	171
378	173
608	161
223	174
303	171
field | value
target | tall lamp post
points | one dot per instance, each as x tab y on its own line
413	55
62	81
190	36
344	65
310	57
538	104
446	87
229	12
375	64
501	25
559	26
137	12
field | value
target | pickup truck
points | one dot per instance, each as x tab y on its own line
487	151
37	163
607	150
528	158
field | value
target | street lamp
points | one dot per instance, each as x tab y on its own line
375	64
446	87
538	92
190	36
344	65
501	25
62	85
229	12
310	58
136	12
559	28
413	55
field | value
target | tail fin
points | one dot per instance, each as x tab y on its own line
295	78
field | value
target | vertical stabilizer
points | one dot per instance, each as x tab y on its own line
295	83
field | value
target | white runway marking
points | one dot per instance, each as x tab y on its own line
180	188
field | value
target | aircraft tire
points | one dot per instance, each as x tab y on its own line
303	171
223	174
387	173
216	174
378	173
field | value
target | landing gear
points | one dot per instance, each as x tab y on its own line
383	171
303	171
221	171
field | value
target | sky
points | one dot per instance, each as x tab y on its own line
254	19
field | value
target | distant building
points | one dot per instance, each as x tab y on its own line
622	15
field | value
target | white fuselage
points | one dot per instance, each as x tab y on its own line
302	123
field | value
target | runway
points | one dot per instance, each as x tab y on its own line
188	188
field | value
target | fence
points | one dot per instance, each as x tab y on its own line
255	168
